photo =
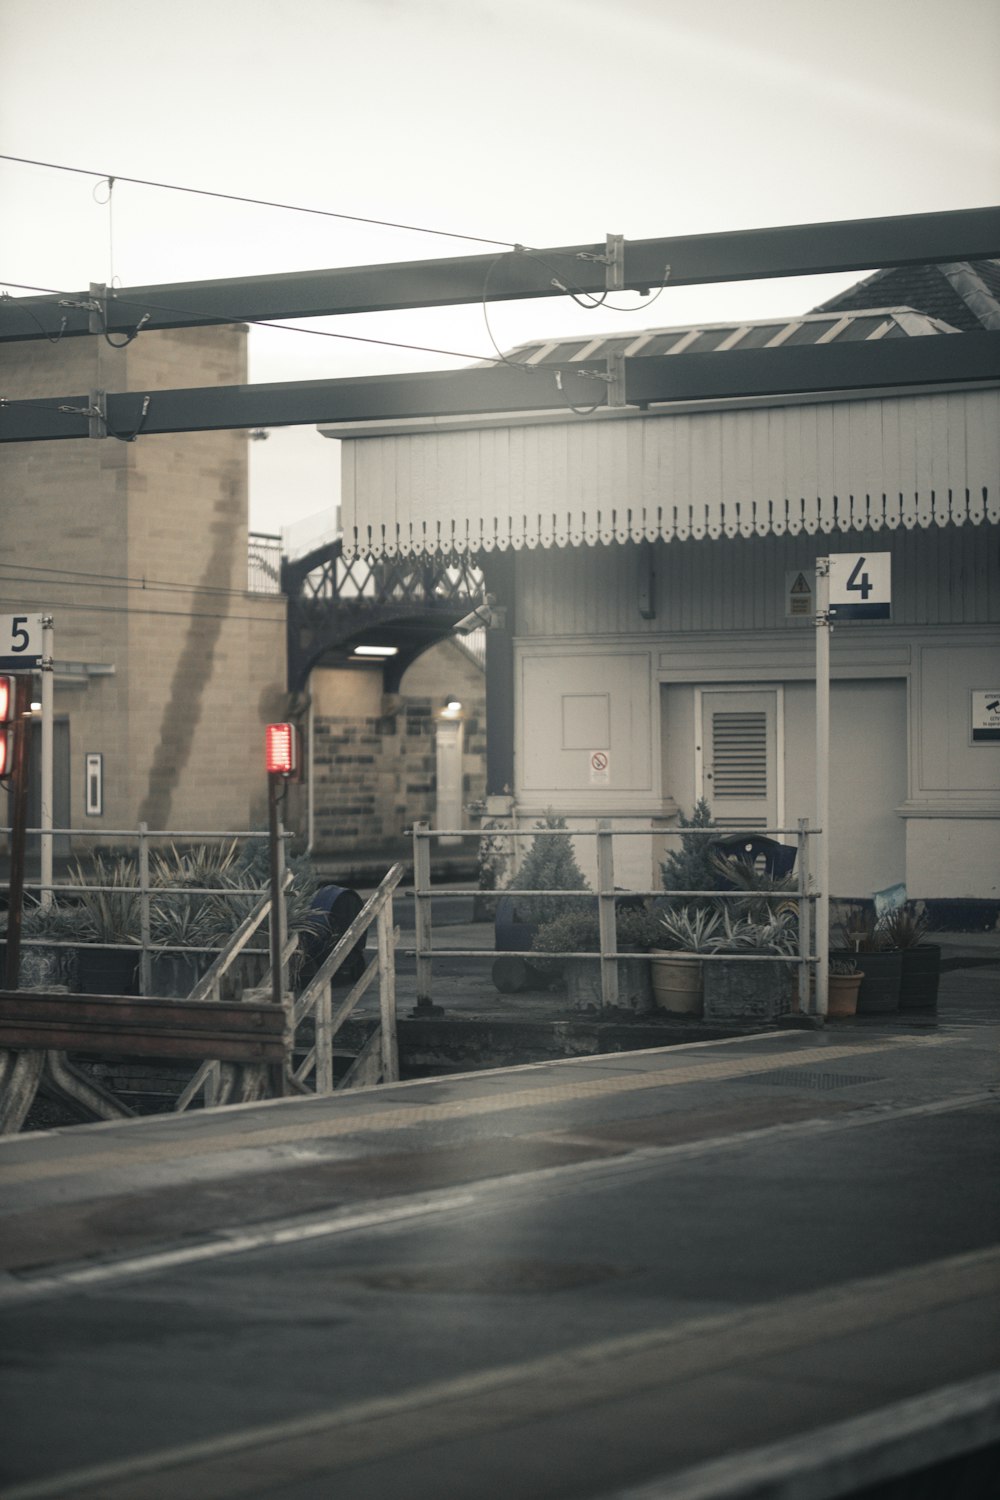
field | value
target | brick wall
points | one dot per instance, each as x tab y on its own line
375	774
150	543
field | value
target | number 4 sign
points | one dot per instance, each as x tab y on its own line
860	586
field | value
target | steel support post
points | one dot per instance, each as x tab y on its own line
276	925
19	819
823	628
805	919
47	797
145	923
422	920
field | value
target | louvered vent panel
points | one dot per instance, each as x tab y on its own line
739	754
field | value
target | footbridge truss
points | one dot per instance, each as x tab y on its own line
337	604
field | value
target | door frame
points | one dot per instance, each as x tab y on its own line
778	689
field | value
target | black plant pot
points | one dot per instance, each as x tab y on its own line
879	992
918	990
108	971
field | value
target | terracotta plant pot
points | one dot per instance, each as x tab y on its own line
842	994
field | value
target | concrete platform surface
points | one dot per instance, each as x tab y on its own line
767	1266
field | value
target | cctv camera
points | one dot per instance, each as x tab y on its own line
478	618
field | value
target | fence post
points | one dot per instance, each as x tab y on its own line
806	999
324	1040
422	919
387	994
145	925
606	915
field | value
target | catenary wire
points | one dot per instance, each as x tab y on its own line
296	208
80	578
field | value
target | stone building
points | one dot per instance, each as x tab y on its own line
166	666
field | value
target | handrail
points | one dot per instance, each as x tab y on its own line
317	997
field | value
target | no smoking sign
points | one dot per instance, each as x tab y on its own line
600	768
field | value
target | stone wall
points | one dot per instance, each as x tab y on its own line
374	754
139	551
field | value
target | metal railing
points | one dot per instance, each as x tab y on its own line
145	889
812	993
220	1082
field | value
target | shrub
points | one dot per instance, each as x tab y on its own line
690	867
549	865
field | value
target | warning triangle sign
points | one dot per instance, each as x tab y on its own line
800	586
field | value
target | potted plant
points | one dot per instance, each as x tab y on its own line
867	942
108	907
693	867
751	990
182	917
549	865
843	982
676	969
578	932
921	961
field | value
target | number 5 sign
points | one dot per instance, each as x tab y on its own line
20	643
860	585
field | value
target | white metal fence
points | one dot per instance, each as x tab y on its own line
812	983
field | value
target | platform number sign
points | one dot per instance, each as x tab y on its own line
860	585
20	643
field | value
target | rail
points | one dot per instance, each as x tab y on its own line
812	984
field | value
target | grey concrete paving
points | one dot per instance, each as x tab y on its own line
551	1282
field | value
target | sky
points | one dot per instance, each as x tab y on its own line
540	122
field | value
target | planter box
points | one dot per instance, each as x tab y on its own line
918	986
582	977
176	974
881	975
738	990
107	971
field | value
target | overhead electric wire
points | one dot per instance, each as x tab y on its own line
295	208
172	614
80	578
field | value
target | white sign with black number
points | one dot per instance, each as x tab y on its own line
20	643
600	768
860	585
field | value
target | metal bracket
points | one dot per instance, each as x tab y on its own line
97	414
613	260
98	310
616	379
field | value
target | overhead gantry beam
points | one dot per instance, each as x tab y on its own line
937	360
680	260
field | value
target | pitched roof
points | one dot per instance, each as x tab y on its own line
878	322
964	294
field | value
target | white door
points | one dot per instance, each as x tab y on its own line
739	756
449	776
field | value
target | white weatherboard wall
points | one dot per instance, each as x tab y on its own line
819	466
911	797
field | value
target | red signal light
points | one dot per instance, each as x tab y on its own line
281	750
8	688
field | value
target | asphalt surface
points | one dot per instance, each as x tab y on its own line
682	1272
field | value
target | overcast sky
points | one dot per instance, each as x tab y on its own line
543	122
